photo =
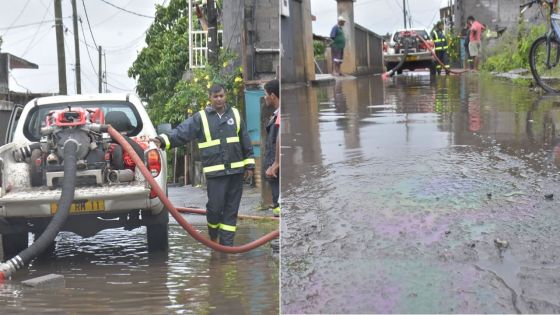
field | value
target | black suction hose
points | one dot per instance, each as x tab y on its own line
391	72
58	220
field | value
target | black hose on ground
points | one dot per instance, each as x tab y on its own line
396	68
58	220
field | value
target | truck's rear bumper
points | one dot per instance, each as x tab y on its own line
37	202
411	57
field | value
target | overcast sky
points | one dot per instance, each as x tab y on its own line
26	27
380	16
121	34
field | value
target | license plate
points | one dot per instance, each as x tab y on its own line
82	206
411	58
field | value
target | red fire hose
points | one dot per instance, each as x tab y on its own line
175	213
436	57
239	216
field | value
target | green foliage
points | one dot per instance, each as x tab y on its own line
160	66
192	95
319	49
453	44
512	51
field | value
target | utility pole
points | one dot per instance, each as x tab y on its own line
105	71
60	48
404	12
100	71
77	48
212	34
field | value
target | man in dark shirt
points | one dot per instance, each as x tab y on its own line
272	153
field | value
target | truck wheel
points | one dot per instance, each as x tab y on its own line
13	244
158	237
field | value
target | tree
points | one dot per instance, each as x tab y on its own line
161	64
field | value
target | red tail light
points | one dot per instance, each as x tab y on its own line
154	162
154	165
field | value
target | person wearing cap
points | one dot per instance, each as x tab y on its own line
337	45
227	158
440	42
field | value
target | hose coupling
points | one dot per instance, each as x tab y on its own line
10	266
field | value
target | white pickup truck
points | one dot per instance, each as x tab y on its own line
110	192
419	55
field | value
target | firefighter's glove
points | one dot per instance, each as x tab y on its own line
159	141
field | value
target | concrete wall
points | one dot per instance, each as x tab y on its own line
233	17
369	51
345	8
293	53
251	29
5	111
495	14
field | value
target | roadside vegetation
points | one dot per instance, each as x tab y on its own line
165	83
161	69
512	50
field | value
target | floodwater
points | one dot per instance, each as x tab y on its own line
112	273
419	195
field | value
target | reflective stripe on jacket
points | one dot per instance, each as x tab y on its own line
225	146
439	40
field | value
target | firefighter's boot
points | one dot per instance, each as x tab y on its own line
213	232
226	237
276	210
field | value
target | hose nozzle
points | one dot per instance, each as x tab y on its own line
10	266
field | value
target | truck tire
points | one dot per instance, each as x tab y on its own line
13	244
158	237
157	234
433	68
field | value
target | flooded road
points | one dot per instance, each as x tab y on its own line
420	196
113	273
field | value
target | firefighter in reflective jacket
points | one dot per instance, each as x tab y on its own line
227	157
440	43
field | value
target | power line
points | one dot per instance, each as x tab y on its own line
89	25
14	78
125	10
116	87
87	48
36	32
112	16
31	46
126	46
17	18
29	24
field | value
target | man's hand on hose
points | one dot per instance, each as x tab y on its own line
248	174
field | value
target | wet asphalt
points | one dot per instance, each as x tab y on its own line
112	272
420	195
